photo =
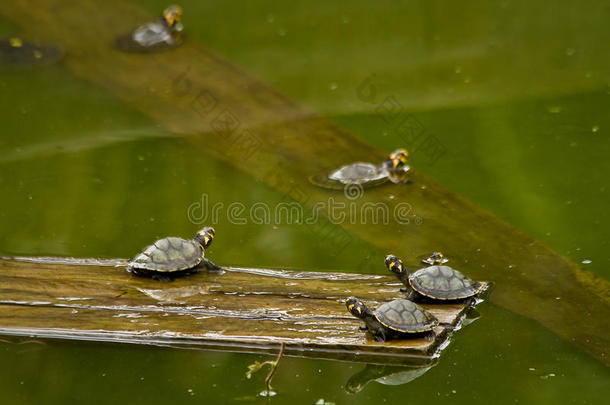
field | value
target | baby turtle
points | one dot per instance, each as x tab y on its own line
19	52
393	320
393	169
435	282
171	257
397	159
155	36
435	258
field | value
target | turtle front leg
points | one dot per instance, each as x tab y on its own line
380	336
209	265
162	278
412	295
375	327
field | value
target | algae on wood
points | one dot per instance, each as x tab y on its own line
250	310
231	115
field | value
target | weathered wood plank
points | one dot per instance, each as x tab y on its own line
238	309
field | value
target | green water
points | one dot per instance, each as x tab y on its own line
481	364
517	94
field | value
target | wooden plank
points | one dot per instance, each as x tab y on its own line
238	309
194	93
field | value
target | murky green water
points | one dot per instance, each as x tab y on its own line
481	364
516	94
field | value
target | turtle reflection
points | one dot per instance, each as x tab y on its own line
386	375
471	316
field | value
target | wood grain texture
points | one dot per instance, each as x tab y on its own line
238	309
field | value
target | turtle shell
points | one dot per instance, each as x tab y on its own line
443	283
359	173
405	316
148	38
169	255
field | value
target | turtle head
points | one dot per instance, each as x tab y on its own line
205	236
436	258
172	15
354	385
394	264
356	307
398	158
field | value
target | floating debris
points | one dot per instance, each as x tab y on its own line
19	52
256	366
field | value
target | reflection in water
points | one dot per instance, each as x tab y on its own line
471	316
29	345
386	375
84	141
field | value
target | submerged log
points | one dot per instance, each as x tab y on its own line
239	309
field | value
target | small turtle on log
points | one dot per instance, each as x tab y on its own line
397	319
434	282
171	257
